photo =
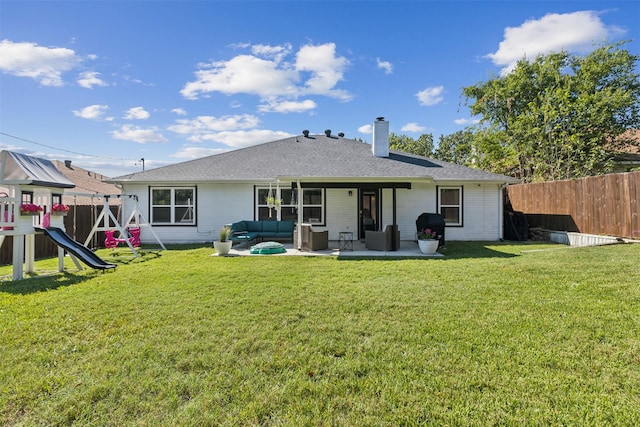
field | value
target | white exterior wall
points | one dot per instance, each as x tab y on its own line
482	210
410	204
222	204
482	213
216	206
341	211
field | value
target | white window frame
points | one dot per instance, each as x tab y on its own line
459	205
173	206
286	204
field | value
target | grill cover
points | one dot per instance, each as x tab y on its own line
433	221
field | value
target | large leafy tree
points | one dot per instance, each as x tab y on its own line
457	148
423	146
559	116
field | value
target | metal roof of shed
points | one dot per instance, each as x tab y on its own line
16	168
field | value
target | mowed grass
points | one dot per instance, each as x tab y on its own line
492	334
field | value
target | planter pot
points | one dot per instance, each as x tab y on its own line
222	248
54	213
29	213
428	246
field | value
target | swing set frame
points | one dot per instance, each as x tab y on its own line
135	219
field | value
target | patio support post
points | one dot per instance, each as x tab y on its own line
300	216
395	222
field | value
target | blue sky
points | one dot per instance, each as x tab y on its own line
106	83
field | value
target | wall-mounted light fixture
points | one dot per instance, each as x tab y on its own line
350	193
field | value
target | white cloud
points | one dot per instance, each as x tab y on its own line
89	79
326	70
277	53
287	106
200	126
270	76
431	95
577	31
197	152
245	138
44	64
179	111
91	112
413	127
464	122
242	74
137	113
138	134
366	129
385	65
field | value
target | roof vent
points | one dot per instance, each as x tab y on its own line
67	163
341	134
328	133
305	133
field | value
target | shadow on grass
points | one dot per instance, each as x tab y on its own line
47	282
122	257
462	250
48	278
458	250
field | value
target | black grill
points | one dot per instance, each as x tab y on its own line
433	221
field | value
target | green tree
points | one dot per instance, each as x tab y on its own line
557	117
456	148
423	146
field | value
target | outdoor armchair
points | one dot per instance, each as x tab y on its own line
382	240
312	240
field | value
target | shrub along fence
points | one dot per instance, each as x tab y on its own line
606	204
78	224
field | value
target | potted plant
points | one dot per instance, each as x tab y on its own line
428	241
272	202
59	209
30	209
223	246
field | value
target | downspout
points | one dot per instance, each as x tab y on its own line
300	216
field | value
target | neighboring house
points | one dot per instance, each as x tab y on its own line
334	183
627	159
626	162
89	186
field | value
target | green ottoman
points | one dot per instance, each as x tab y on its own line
267	248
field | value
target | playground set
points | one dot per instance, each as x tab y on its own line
31	191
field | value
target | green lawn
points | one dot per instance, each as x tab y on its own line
492	334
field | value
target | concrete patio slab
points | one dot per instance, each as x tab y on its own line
406	250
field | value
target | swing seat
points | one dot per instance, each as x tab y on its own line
110	241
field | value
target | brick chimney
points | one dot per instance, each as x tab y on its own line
380	145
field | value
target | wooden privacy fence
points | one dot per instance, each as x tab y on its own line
606	204
78	224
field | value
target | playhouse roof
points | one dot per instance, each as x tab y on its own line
16	168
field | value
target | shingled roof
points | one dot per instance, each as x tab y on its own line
315	157
86	183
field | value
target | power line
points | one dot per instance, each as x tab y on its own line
66	151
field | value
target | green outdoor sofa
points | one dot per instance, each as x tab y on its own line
247	231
